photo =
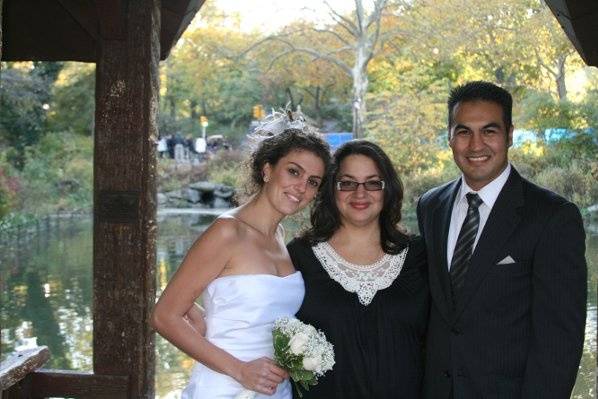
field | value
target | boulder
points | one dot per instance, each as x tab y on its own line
192	196
203	186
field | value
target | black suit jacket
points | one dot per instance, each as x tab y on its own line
518	329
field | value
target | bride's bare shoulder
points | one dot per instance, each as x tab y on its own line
225	227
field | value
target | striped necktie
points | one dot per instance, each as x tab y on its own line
464	246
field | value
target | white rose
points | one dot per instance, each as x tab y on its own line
311	363
298	343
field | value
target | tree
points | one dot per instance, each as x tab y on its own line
24	99
72	107
349	44
204	77
312	84
553	52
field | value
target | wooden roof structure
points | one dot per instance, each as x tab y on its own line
579	20
70	30
59	30
126	39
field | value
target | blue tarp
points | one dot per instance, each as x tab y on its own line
336	139
551	135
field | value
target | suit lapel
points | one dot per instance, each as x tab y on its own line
442	216
501	223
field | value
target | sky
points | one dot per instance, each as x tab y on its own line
271	15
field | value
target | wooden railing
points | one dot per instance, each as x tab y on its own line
22	377
17	367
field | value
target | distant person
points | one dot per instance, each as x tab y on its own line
243	271
179	147
162	146
506	264
190	144
200	148
170	143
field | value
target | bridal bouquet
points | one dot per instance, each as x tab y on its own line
301	350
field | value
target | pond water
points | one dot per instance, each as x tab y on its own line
46	291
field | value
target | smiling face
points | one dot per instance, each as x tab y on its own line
294	181
480	141
359	207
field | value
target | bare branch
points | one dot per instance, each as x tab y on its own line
359	14
375	18
279	56
335	34
342	21
317	55
376	15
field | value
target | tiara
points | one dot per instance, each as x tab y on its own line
278	121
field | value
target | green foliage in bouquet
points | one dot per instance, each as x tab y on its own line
292	363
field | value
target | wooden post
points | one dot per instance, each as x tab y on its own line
1	7
127	87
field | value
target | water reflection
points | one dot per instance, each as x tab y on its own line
46	291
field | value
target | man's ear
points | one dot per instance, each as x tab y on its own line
510	135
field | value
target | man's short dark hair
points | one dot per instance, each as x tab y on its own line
481	91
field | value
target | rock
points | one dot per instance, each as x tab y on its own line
192	196
221	203
203	186
162	199
225	192
176	194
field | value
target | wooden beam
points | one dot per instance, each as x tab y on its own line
42	30
21	363
82	11
176	16
579	20
1	9
63	383
112	18
127	89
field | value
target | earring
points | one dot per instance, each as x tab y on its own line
266	179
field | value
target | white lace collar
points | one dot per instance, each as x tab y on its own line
365	280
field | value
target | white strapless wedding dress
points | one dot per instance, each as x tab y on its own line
240	312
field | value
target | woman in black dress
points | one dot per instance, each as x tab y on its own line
365	280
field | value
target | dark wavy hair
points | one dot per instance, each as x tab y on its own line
271	149
481	91
325	216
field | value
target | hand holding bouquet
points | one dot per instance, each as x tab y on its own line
302	350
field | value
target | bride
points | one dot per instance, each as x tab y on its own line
243	272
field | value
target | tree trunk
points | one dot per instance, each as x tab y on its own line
172	106
561	85
193	111
360	88
290	98
318	106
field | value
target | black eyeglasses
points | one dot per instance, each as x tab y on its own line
350	185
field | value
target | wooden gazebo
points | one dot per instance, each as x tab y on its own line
579	20
126	39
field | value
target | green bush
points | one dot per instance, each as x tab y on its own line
57	174
416	184
568	167
227	167
574	181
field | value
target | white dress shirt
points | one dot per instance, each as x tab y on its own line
488	194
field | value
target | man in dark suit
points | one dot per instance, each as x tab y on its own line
506	264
